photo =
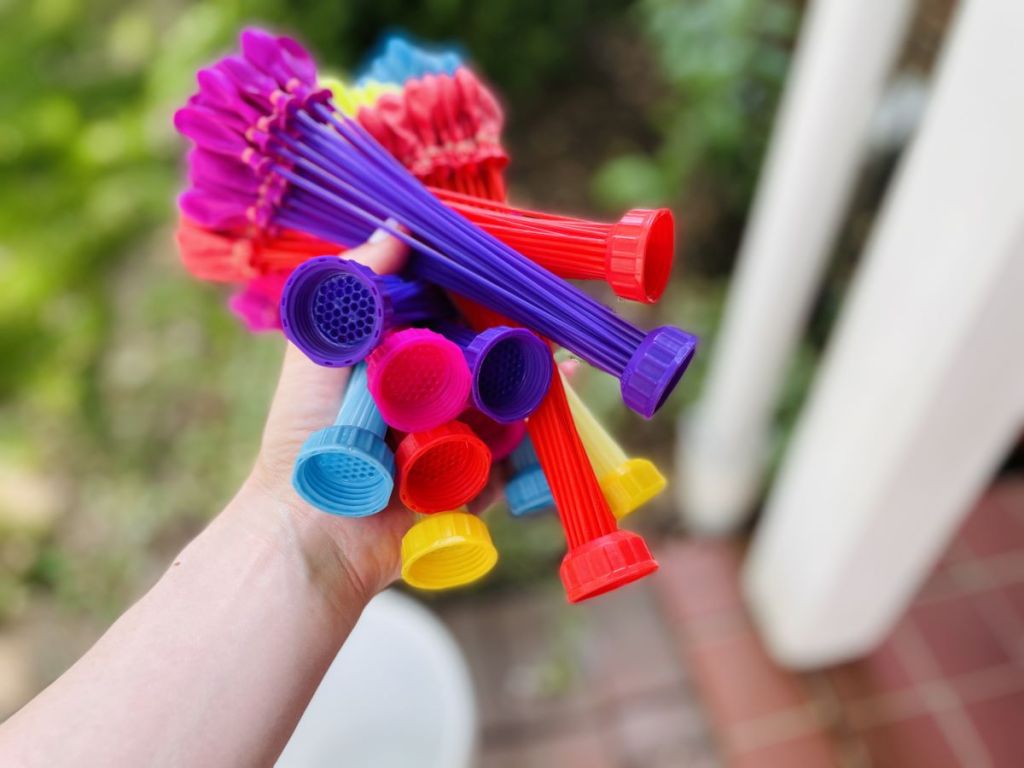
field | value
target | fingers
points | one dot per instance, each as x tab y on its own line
308	395
381	253
569	368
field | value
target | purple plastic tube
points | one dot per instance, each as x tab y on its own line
336	311
511	369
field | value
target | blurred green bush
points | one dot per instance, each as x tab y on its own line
722	63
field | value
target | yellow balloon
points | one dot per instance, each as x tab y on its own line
348	98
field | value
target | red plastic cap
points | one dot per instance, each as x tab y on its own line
419	379
442	468
641	247
604	564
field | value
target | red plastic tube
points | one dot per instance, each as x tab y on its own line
419	379
237	256
441	469
601	557
633	255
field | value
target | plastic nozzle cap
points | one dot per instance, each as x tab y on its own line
655	368
527	493
512	369
345	470
334	311
441	468
502	439
604	564
631	485
419	379
449	549
641	247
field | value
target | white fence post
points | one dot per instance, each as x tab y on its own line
922	389
845	52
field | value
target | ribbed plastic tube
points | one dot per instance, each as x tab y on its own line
442	468
601	557
633	255
526	491
419	379
627	483
447	550
510	369
347	469
337	311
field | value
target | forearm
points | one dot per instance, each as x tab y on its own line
216	663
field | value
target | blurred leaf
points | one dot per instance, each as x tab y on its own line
629	181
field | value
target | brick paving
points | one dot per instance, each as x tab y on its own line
670	672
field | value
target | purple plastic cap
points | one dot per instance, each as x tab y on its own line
511	370
655	368
334	310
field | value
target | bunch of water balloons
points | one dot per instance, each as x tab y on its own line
452	359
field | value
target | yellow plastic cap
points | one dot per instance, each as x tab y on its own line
445	550
631	485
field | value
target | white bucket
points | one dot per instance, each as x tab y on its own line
398	694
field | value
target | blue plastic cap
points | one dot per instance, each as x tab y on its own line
528	493
398	59
346	471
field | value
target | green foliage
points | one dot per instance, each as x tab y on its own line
722	64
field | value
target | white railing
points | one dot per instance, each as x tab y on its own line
922	387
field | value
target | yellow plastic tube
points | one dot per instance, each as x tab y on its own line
447	549
627	483
348	97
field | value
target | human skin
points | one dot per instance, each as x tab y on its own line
216	663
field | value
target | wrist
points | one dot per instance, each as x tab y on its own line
309	539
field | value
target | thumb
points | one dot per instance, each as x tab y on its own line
308	395
382	253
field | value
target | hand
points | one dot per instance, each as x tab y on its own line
366	550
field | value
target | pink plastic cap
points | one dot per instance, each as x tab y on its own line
419	379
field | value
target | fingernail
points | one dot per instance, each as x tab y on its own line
380	234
